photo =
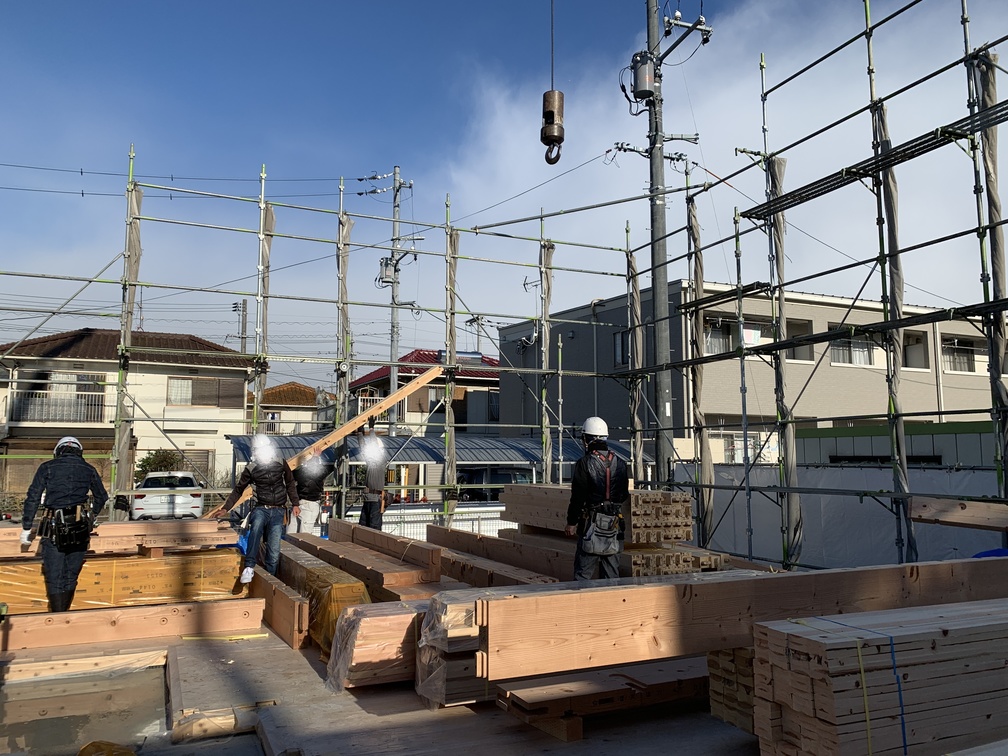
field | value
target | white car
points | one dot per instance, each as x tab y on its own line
167	495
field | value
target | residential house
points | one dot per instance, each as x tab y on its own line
183	393
290	408
475	402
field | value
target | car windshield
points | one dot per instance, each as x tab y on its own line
169	481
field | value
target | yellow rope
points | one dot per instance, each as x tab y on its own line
864	696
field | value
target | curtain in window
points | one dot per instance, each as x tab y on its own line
179	391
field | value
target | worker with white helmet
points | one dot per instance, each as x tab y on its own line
599	487
63	483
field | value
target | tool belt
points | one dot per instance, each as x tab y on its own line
69	528
602	531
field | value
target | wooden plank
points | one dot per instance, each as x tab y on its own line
286	610
553	562
128	580
135	622
371	567
613	689
215	724
65	668
422	554
481	572
537	633
985	515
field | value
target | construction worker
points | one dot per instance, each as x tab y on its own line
274	484
63	483
599	488
376	464
310	478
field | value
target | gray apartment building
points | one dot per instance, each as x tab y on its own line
836	384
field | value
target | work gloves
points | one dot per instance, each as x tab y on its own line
26	537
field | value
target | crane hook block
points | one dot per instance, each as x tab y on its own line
552	132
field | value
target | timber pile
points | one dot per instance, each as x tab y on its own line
652	518
150	537
731	686
544	561
420	553
923	680
537	630
486	573
128	581
375	644
558	704
329	590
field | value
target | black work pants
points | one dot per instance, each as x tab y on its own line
61	568
371	514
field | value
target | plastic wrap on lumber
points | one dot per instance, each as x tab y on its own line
329	591
445	679
374	644
128	581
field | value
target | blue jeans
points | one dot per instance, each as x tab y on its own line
266	526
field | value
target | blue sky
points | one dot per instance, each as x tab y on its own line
450	90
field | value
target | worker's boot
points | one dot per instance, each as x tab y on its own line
55	601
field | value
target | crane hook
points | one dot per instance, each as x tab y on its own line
553	154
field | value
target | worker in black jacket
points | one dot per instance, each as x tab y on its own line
63	483
310	478
274	485
599	487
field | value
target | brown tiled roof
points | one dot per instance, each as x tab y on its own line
102	344
426	357
291	394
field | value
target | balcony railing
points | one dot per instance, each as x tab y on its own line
86	408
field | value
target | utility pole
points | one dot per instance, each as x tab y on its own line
647	71
242	309
390	275
477	321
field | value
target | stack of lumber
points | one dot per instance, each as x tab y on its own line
528	631
146	536
731	686
402	551
375	644
487	573
657	522
557	704
286	610
541	560
128	581
924	680
328	589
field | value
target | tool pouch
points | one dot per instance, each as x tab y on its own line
70	529
601	536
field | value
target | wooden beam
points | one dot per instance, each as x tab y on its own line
484	573
286	610
984	515
420	553
375	644
374	569
549	631
553	562
130	623
130	537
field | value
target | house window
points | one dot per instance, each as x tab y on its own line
493	406
227	393
717	338
804	352
959	355
621	348
915	350
856	350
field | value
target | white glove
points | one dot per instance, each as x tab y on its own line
26	537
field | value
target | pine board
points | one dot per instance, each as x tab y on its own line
533	634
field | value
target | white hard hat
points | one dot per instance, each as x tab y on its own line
595	426
67	441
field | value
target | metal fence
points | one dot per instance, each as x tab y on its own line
413	522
